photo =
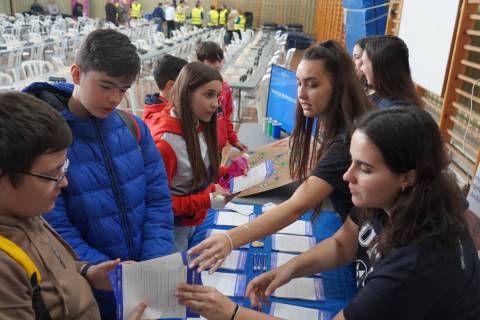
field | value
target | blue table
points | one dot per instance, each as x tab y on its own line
339	284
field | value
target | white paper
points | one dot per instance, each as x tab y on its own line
229	218
245	209
254	176
212	232
154	282
231	262
223	282
282	258
267	206
299	227
291	312
291	243
300	288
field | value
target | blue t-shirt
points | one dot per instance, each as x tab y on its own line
383	103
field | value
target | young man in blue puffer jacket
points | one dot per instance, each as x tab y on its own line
117	203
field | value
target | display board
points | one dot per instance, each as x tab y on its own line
428	28
279	153
282	97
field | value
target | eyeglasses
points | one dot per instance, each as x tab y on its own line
58	179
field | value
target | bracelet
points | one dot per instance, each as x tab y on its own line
84	269
246	226
229	240
235	312
249	231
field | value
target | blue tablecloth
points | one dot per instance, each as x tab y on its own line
339	284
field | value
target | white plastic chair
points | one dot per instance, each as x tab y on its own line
289	57
36	68
5	79
261	98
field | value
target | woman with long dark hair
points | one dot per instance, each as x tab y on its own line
357	54
330	97
387	70
415	258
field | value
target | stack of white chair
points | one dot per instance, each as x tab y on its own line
36	68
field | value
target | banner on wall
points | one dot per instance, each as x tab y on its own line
86	6
473	212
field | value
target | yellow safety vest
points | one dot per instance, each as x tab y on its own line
180	14
240	24
223	17
136	10
197	16
213	18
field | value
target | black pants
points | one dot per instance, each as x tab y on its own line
228	37
170	28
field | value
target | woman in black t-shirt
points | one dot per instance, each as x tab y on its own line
329	92
415	258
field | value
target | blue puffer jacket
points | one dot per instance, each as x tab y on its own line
117	203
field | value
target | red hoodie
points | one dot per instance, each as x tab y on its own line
225	130
154	105
189	206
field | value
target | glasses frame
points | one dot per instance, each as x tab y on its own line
58	179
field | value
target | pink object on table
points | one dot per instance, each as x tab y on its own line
237	167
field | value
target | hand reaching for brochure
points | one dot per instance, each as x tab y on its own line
206	301
261	287
211	252
97	275
138	311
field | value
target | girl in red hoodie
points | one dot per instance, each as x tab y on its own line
211	54
186	136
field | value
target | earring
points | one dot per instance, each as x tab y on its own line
402	189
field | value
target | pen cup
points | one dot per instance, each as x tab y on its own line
276	128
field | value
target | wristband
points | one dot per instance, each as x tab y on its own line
83	271
234	315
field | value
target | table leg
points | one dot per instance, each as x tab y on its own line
239	106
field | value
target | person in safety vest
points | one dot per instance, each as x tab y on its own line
197	15
136	10
239	23
223	16
180	14
213	14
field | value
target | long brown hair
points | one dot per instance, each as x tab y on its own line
433	207
193	76
348	101
391	69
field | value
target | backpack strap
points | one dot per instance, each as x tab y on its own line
131	123
17	254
